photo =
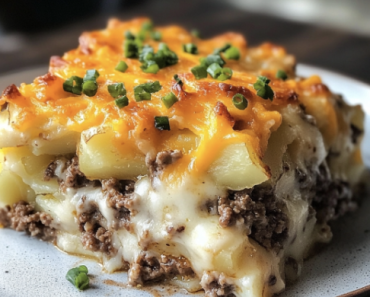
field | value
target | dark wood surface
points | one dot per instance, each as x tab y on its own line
328	48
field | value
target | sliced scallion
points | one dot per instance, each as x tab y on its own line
156	35
121	101
91	75
263	89
78	277
217	51
190	48
121	66
169	99
129	35
199	71
162	123
232	53
73	85
281	74
219	73
239	101
116	90
89	88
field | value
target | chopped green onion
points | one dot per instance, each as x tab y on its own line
146	53
131	48
214	70
129	35
239	101
210	59
140	94
190	48
121	101
143	91
116	90
91	75
157	36
217	51
150	67
219	73
152	62
163	47
162	123
169	57
263	89
169	99
73	85
281	74
152	87
178	80
147	26
232	53
121	66
199	71
90	88
195	33
78	277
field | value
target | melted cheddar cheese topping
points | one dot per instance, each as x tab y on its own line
204	111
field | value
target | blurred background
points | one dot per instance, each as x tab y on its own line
333	34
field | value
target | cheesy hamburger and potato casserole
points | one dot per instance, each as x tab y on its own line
208	164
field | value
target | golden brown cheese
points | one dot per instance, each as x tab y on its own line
197	111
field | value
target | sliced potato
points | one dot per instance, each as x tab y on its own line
60	210
236	169
100	158
30	168
13	189
64	144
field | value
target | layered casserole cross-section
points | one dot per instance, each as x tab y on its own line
205	163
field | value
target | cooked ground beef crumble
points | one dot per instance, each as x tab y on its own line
149	268
23	217
216	284
260	211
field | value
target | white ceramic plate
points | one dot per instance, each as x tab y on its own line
32	268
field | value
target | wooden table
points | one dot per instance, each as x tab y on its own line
335	50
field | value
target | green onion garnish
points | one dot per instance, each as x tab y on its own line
73	85
219	73
214	70
162	123
199	71
152	62
121	101
178	80
281	74
78	277
210	59
129	35
89	88
195	33
169	99
232	53
121	66
131	48
150	67
217	51
147	26
157	36
91	75
143	91
190	48
263	89
116	90
240	102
